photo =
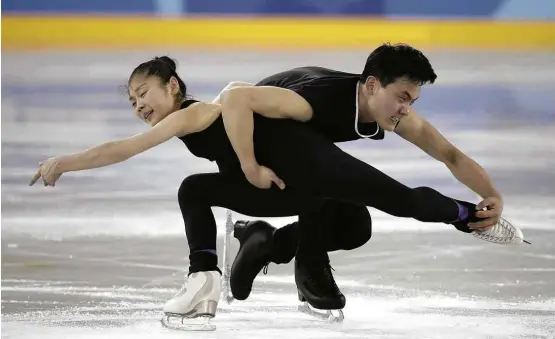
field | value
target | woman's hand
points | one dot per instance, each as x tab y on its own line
49	171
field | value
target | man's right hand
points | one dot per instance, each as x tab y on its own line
262	177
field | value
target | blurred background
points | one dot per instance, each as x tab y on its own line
64	65
330	24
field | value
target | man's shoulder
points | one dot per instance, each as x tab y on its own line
308	75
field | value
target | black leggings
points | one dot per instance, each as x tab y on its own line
344	226
308	162
314	170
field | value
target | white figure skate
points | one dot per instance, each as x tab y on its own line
192	308
503	233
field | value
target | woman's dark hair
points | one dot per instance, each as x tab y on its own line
164	68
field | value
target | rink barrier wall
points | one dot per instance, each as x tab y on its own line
28	32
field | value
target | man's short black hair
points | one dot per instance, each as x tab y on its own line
389	62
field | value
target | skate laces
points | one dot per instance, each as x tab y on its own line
184	287
329	277
502	233
324	280
265	269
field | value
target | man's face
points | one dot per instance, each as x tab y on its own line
388	105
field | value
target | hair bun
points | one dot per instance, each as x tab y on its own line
167	60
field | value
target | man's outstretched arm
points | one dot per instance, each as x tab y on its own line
422	134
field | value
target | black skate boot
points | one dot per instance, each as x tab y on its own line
316	285
255	252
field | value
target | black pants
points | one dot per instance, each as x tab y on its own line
344	226
315	171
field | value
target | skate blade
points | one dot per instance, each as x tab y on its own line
516	239
182	323
227	296
330	316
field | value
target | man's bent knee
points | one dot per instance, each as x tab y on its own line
358	234
358	240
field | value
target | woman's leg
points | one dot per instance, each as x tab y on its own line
199	192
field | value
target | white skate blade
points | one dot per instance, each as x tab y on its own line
330	316
183	323
227	296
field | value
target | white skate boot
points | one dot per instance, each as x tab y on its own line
502	233
197	300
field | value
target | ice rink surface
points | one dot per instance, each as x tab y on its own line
97	256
